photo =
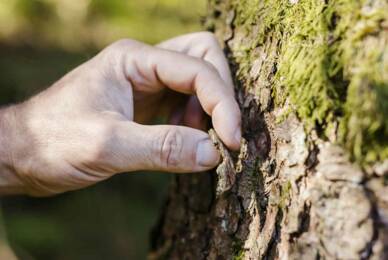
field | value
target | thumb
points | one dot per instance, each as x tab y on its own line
165	148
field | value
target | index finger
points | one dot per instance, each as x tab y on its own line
202	45
182	73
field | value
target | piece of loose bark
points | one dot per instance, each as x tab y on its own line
226	172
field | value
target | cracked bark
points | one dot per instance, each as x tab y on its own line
289	194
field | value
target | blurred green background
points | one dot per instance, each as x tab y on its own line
40	40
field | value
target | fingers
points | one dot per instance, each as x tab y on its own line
154	68
162	148
202	45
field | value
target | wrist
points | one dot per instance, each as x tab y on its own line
9	180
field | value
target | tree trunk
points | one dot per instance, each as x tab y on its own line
310	181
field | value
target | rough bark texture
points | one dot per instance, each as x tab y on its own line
310	181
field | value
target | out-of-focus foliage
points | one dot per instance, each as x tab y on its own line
75	24
41	40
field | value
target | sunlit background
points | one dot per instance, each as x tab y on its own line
40	40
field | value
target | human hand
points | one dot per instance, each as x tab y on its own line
86	127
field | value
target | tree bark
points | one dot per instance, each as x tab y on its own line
310	181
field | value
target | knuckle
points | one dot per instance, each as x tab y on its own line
120	47
170	148
116	56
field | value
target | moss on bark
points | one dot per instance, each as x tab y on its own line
311	74
330	62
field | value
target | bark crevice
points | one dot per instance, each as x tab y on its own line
297	190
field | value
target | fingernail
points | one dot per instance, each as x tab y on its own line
207	154
237	135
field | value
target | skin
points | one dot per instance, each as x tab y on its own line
91	124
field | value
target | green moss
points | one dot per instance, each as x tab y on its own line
239	256
331	61
238	250
285	194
